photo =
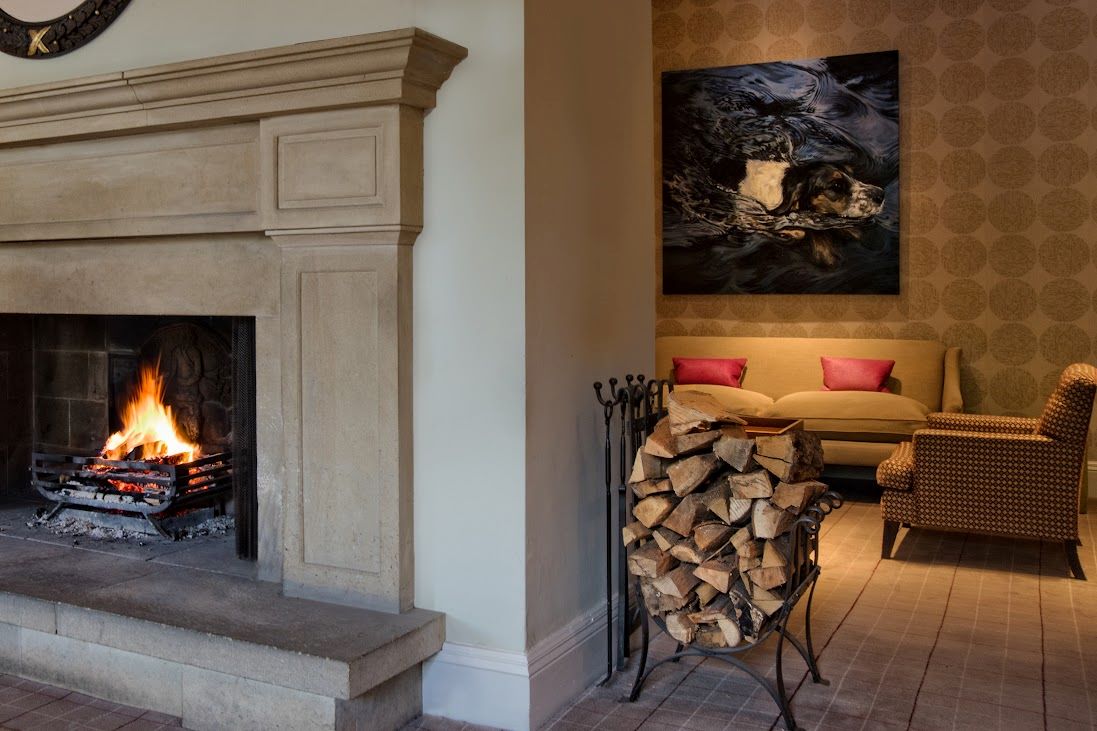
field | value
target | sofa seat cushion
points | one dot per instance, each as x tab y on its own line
736	400
867	416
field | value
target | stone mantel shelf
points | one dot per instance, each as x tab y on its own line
395	67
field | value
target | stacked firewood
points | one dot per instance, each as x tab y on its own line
713	514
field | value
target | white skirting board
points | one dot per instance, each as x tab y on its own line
515	690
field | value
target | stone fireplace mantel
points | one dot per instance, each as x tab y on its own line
285	184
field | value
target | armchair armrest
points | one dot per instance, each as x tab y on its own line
952	399
982	423
996	460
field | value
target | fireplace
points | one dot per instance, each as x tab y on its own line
270	199
139	417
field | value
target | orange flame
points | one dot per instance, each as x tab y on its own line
147	423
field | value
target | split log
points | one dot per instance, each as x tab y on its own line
692	407
765	600
634	531
769	521
736	451
695	442
795	496
661	443
773	570
659	603
665	539
686	550
647	488
649	561
744	543
705	593
710	637
679	582
714	612
751	485
709	536
720	573
747	564
653	510
732	634
689	513
680	628
686	475
738	509
750	617
793	457
647	467
716	500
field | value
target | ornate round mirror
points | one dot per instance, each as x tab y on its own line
47	28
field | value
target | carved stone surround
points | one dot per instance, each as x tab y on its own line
285	184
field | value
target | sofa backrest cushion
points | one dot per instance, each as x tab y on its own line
780	366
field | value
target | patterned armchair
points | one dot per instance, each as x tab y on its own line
996	474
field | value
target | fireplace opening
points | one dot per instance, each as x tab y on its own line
135	425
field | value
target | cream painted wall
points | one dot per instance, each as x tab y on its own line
469	374
589	279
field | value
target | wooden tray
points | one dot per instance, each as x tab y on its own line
767	426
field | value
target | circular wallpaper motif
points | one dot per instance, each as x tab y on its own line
964	299
1011	78
920	300
665	328
831	307
919	85
786	48
922	169
923	256
1063	74
784	17
1063	119
875	330
709	306
963	212
667	31
871	38
1063	29
1012	211
963	256
744	22
1011	123
868	13
1063	209
1012	344
1064	255
959	8
963	169
825	16
827	44
705	56
962	83
1062	344
1064	300
913	11
916	43
1012	167
1063	164
671	305
961	39
923	214
1011	35
962	126
970	339
872	308
1012	256
919	126
917	331
829	330
1012	300
1013	388
705	26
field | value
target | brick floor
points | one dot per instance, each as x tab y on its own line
29	706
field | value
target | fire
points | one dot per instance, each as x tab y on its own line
147	424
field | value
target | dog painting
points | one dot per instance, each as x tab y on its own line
782	178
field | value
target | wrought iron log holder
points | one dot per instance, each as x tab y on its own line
805	563
629	414
153	490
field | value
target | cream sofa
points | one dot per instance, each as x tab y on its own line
784	378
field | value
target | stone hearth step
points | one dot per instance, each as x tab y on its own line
221	651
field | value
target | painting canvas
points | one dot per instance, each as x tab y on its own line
782	177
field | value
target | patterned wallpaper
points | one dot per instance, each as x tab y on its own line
998	132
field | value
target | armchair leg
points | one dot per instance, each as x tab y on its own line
1072	559
891	529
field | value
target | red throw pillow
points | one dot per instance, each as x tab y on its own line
856	374
711	371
